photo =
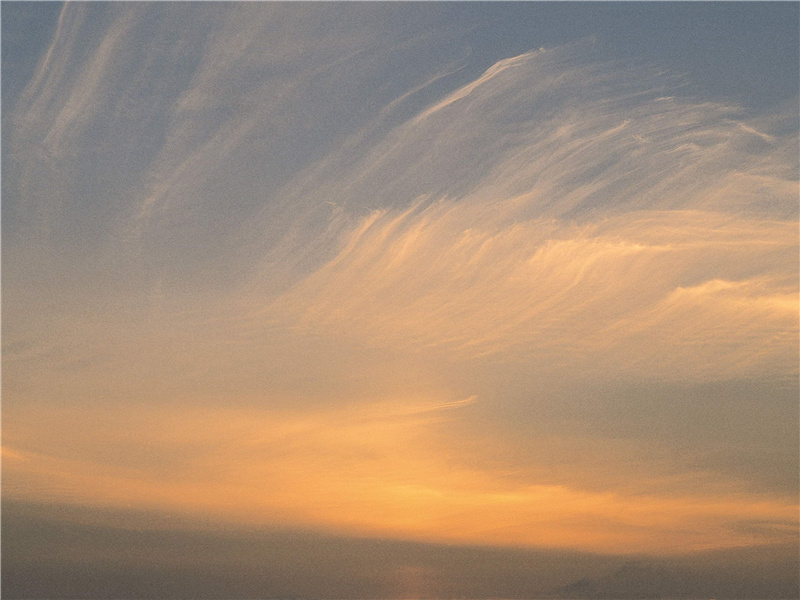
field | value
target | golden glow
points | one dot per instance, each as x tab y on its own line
386	469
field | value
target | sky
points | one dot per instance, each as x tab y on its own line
488	282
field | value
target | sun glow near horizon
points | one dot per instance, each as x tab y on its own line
385	470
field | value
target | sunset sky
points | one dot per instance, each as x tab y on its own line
520	276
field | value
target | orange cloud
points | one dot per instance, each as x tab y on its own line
651	292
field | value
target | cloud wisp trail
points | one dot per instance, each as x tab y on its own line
514	216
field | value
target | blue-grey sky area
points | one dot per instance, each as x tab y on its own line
745	51
442	284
